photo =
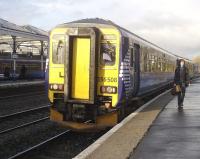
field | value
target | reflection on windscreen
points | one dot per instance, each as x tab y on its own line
58	52
108	54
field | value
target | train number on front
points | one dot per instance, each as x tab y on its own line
107	79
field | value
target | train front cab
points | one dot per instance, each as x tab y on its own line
83	77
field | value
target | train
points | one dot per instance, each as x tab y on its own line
34	67
96	68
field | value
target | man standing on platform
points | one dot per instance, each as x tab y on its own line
181	81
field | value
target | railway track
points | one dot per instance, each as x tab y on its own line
23	125
11	92
23	95
3	117
20	102
47	145
26	149
15	116
22	121
41	144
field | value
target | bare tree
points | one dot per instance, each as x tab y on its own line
196	59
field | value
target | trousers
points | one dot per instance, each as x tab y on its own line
181	95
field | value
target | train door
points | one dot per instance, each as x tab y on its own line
80	65
80	68
136	67
132	67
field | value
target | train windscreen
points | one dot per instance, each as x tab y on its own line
58	49
108	54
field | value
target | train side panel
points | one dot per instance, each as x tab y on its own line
156	68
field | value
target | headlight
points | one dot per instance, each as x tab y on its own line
56	87
108	89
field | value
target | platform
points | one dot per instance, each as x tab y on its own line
158	130
118	143
174	134
19	83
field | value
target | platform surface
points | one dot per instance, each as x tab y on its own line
119	142
175	134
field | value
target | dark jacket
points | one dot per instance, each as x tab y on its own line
177	76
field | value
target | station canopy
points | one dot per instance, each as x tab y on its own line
22	33
25	38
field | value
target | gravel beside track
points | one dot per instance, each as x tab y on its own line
65	147
21	139
8	122
21	130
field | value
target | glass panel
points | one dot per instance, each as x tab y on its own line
58	49
108	54
132	58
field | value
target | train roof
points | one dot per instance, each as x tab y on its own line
110	23
94	20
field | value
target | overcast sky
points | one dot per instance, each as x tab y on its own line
172	24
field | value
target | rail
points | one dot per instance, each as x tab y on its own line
23	112
23	125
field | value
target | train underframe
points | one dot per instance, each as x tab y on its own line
83	117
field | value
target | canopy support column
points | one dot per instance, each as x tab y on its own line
42	55
13	56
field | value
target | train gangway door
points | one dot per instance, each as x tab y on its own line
80	68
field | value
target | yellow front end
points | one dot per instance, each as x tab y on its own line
106	75
108	71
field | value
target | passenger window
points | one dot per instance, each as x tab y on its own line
145	62
108	53
58	49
